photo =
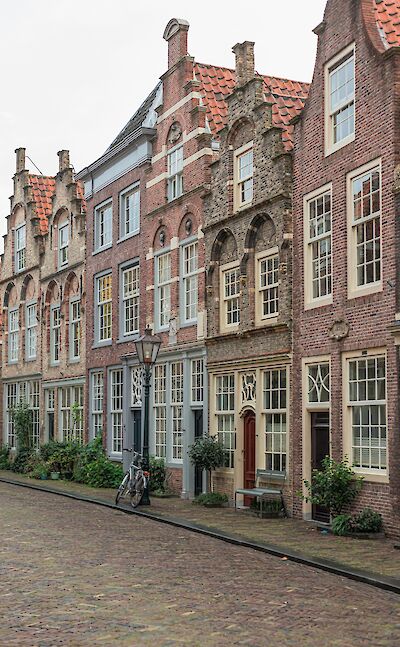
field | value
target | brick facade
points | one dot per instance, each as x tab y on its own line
31	288
348	324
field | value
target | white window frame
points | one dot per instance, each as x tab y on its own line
97	403
190	285
130	302
226	300
309	300
104	310
163	291
11	400
31	330
240	182
224	386
270	289
33	399
103	233
197	380
75	329
175	165
68	396
116	410
129	211
20	249
63	244
13	336
338	61
276	418
55	334
177	397
160	410
370	474
355	290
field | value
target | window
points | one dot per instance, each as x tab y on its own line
177	409
116	402
13	336
103	226
71	413
31	328
33	401
340	78
130	212
197	380
50	407
97	403
318	383
63	242
224	409
11	403
268	287
160	410
175	173
319	247
163	263
244	175
275	402
130	300
230	297
55	330
20	248
104	307
365	235
190	267
75	329
367	402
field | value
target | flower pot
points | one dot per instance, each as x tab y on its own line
54	476
43	476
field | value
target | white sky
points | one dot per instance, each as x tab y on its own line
73	72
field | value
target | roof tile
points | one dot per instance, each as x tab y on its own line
387	15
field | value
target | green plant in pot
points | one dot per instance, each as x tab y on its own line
207	453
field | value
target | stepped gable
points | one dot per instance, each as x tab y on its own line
287	98
43	188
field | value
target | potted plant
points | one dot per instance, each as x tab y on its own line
54	467
207	453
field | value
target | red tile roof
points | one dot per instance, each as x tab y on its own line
387	15
287	98
43	188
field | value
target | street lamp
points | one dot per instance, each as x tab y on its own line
147	348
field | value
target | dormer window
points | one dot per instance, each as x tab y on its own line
340	100
20	248
63	242
243	169
175	173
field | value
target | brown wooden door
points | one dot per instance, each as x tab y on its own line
249	453
320	447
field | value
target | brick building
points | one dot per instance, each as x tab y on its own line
42	294
346	289
248	239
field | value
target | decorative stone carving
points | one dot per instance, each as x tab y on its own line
248	387
137	382
175	133
162	238
339	330
188	226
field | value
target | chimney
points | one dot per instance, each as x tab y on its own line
244	62
20	153
63	160
176	34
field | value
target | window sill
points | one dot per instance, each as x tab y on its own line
371	288
242	207
128	338
54	364
14	362
102	249
128	236
268	321
337	147
74	360
318	303
228	331
101	344
30	359
188	324
371	477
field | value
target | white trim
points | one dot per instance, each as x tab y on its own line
309	301
330	147
179	104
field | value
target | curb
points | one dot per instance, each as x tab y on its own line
380	582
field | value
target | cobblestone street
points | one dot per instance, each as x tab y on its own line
72	573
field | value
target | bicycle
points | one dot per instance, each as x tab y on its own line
135	480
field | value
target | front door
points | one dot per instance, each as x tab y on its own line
249	453
198	432
320	447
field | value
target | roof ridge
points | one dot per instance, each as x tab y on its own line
272	76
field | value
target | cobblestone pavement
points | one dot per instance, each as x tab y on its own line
76	574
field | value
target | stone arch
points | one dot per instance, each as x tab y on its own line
10	295
72	286
188	226
241	132
260	235
28	288
162	237
53	293
224	249
18	215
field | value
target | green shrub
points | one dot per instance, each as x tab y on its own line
22	462
47	450
334	486
158	475
39	469
367	521
63	459
87	454
341	525
22	418
211	499
103	473
4	458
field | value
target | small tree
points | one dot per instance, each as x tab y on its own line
334	486
23	424
207	453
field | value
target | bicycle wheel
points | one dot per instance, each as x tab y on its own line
123	488
137	490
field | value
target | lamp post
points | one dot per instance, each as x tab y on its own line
147	348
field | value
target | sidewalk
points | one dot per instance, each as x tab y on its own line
375	558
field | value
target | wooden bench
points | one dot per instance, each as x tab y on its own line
263	493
